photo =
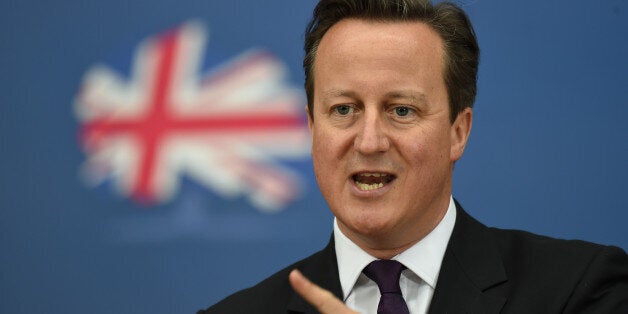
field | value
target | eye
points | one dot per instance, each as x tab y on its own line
343	110
402	111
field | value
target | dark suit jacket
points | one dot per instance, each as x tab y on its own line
484	270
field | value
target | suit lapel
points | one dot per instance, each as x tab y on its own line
472	278
322	269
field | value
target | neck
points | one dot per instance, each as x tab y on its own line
386	245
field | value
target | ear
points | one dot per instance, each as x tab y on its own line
460	131
310	125
309	117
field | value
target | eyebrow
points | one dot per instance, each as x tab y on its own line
415	97
338	93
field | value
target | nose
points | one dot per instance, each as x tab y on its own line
371	137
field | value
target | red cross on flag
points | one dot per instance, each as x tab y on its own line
224	129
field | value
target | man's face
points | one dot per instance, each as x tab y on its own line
383	145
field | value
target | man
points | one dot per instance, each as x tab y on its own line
390	86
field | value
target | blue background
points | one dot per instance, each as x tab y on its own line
547	152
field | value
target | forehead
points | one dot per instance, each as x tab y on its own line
404	38
405	52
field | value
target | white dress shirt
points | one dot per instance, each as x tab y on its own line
417	282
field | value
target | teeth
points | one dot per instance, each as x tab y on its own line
377	175
369	187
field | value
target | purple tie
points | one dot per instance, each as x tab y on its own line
386	274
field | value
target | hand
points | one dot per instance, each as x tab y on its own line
323	300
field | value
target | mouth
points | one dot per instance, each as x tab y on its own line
369	181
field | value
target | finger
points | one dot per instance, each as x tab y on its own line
323	300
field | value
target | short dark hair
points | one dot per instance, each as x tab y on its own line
447	19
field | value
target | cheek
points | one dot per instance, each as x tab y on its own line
327	145
319	147
434	143
323	154
423	152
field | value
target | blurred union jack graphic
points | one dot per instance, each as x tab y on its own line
225	129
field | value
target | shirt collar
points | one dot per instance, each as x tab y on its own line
423	258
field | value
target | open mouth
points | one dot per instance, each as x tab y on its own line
368	181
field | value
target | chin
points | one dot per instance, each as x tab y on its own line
369	223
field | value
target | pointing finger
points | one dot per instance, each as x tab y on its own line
323	300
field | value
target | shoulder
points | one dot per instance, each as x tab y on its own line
586	275
268	296
525	247
527	255
539	273
272	295
522	249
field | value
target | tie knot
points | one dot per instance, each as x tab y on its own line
386	274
